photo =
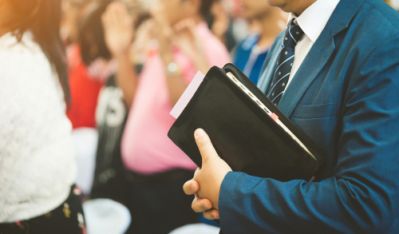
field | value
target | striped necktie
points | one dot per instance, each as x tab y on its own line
285	62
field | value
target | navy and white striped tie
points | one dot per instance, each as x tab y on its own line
285	62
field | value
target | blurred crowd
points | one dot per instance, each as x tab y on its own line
93	37
129	62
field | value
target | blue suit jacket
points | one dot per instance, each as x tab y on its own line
345	96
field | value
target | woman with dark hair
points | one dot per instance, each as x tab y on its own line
37	168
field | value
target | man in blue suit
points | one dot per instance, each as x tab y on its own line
341	86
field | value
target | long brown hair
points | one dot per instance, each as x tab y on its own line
43	18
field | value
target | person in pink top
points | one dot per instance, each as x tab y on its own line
178	44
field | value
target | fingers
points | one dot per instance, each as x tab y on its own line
204	145
106	16
205	206
116	14
191	187
201	205
212	214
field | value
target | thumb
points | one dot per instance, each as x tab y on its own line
204	145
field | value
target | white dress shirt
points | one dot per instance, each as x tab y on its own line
312	22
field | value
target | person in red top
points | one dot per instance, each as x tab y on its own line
84	91
89	66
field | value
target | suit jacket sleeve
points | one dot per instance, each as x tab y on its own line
363	194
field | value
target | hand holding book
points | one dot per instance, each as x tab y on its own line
208	179
249	133
247	130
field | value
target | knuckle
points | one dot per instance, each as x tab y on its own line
195	207
207	215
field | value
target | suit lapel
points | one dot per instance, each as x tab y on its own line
310	68
318	56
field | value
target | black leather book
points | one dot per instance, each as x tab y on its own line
247	130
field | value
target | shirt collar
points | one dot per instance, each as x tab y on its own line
314	19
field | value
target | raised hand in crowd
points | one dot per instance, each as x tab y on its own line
182	35
118	28
119	33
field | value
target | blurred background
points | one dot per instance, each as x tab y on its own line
120	53
128	63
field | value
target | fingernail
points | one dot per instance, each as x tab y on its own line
199	133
